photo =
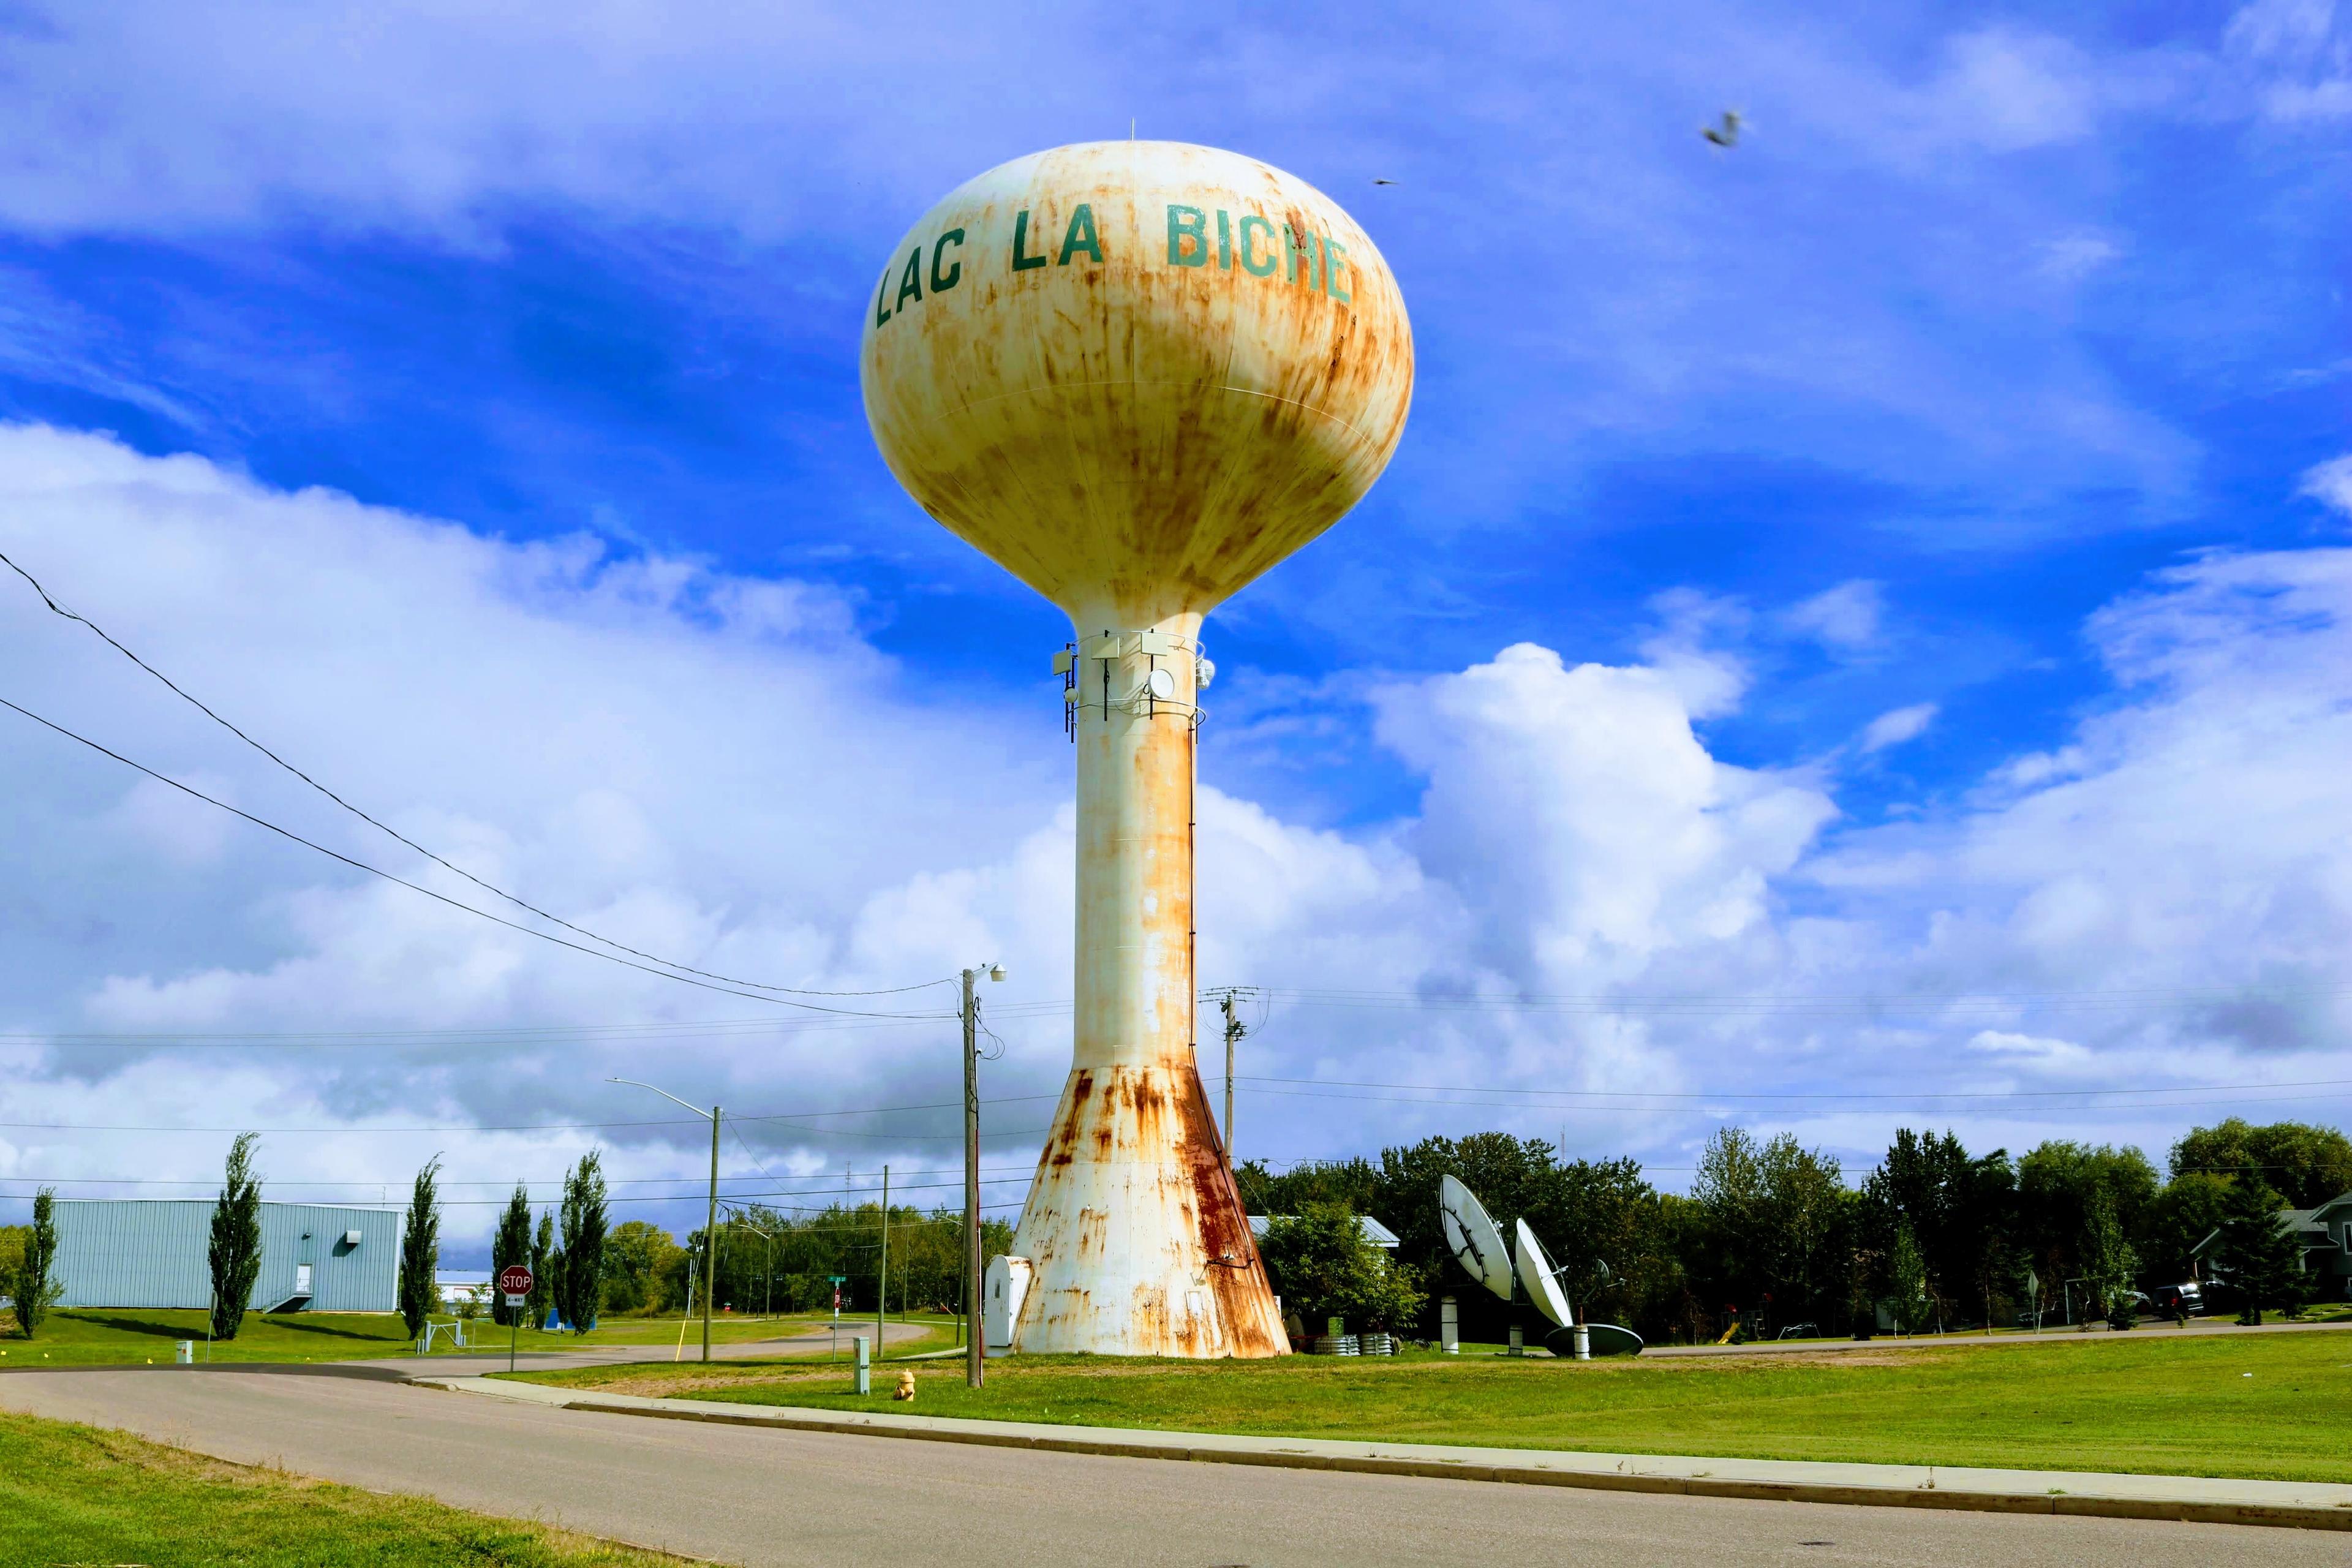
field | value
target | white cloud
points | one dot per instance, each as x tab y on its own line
2330	482
2297	56
1896	726
1581	820
1845	617
721	769
2008	89
2070	258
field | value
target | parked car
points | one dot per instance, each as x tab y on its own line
2180	1300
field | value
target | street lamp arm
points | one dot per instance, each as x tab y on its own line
666	1094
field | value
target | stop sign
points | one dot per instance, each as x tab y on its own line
515	1279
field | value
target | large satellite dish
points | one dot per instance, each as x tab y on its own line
1534	1273
1472	1237
1600	1339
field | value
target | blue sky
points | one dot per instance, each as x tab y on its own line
1992	317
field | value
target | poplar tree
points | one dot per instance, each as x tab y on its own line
29	1285
545	1260
511	1244
584	1223
234	1253
420	1249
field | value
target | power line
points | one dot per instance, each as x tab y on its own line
443	898
1729	1003
522	1126
1519	1093
395	833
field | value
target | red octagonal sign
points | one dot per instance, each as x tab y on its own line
515	1279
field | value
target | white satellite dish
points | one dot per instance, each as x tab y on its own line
1472	1237
1534	1273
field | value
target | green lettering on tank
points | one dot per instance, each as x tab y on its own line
1300	246
882	312
1022	260
910	285
1335	260
942	282
1224	240
1244	242
1183	224
1081	236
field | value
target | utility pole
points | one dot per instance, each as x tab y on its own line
972	1354
882	1271
711	1238
1233	1033
710	1220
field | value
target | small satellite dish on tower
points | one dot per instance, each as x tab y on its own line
1543	1285
1472	1237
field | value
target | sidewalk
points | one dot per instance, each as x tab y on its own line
2199	1499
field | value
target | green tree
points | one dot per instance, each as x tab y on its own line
1355	1183
2109	1263
1594	1211
584	1220
2257	1254
636	1257
1730	1189
12	1248
1322	1265
510	1243
2306	1165
2190	1207
2057	1184
1906	1279
1923	1184
30	1287
234	1253
546	1260
420	1249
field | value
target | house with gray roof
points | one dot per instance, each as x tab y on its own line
2323	1238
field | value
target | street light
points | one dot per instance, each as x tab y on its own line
710	1224
769	1309
973	1329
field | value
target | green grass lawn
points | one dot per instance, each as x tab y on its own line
87	1336
74	1494
2277	1406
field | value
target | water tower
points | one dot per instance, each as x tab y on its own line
1137	374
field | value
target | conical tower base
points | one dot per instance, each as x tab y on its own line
1135	1235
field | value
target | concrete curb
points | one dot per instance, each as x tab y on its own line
2185	1499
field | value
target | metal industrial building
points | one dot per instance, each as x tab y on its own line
140	1253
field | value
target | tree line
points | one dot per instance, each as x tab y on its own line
1775	1234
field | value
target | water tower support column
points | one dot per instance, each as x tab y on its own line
1134	1232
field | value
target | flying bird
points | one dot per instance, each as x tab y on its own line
1726	134
1381	182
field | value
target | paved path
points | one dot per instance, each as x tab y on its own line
815	1342
764	1497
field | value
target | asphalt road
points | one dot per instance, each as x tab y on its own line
756	1497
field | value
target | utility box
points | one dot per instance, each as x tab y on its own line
186	1352
1449	1326
1007	1288
865	1366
